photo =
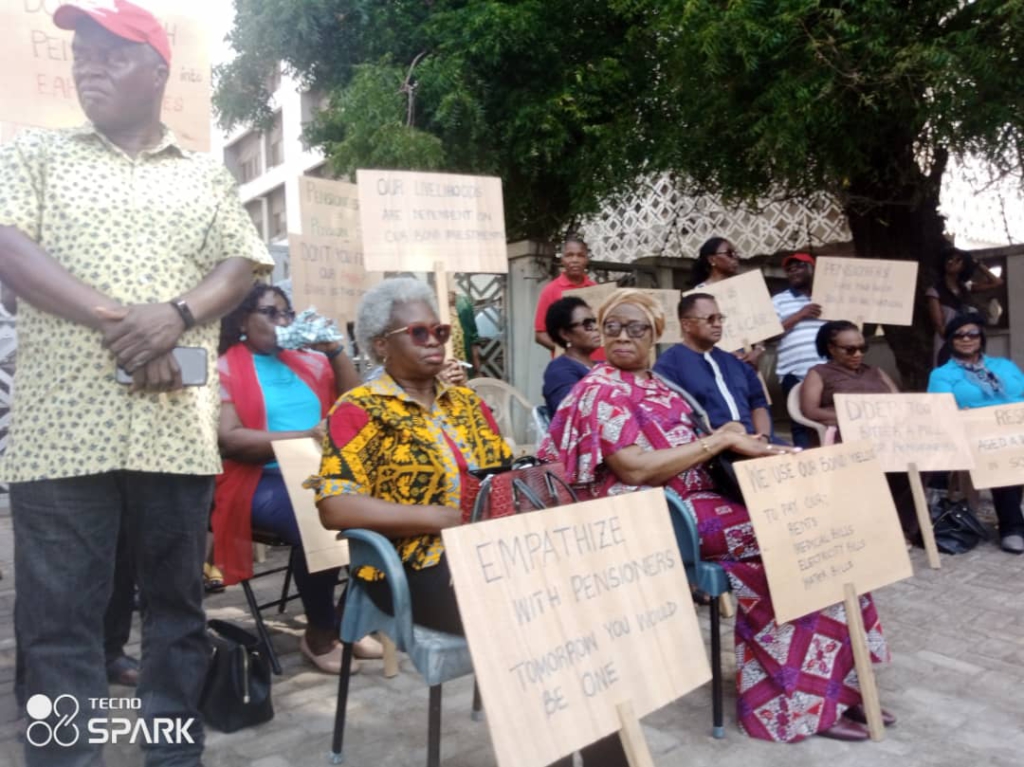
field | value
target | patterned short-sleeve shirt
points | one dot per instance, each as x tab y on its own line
140	230
382	443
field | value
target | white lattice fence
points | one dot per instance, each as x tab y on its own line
660	220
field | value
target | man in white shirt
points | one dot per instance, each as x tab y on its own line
799	318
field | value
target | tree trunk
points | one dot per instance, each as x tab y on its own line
909	229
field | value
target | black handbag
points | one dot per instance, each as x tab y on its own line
957	530
237	689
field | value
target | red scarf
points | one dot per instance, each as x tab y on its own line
232	500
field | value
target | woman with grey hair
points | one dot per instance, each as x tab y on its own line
398	448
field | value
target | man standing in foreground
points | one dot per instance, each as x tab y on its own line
727	389
121	245
799	317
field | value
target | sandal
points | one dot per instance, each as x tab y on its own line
213	579
367	648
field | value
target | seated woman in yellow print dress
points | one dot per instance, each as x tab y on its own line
398	447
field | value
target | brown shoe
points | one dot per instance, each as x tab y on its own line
857	714
844	729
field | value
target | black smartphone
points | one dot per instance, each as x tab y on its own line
191	359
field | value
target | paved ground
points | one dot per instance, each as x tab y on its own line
957	683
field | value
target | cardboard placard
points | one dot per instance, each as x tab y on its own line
747	305
823	518
669	300
326	260
299	459
410	221
996	438
865	289
35	69
923	429
570	612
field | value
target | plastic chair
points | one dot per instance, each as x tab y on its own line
826	434
541	420
438	656
712	580
500	397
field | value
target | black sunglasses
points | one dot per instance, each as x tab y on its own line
588	324
272	313
851	350
634	329
965	334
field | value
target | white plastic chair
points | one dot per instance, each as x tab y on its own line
826	434
502	399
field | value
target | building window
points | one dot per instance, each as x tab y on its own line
244	158
277	215
255	210
275	143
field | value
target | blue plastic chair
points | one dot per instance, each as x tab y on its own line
437	656
713	581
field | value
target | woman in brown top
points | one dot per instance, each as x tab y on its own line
841	343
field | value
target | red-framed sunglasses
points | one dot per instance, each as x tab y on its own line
420	332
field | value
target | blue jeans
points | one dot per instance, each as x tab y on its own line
272	510
801	434
65	547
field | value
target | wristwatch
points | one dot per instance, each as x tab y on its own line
186	313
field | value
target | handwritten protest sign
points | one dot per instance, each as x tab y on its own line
411	221
904	429
326	259
823	518
996	438
570	612
669	300
35	69
865	290
747	305
299	459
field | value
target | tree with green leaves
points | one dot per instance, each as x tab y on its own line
572	103
538	92
865	99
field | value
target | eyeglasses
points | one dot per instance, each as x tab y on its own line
730	253
965	334
634	329
711	319
588	324
851	350
272	313
421	332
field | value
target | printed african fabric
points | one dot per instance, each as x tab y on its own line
382	443
793	679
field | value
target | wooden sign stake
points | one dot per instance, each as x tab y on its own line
862	661
390	656
924	518
725	605
443	310
632	735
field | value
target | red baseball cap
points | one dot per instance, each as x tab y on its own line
119	17
807	258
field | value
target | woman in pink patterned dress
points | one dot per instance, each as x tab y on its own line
621	429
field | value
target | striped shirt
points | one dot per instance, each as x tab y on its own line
797	354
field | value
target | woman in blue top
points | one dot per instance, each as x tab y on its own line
977	380
571	324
